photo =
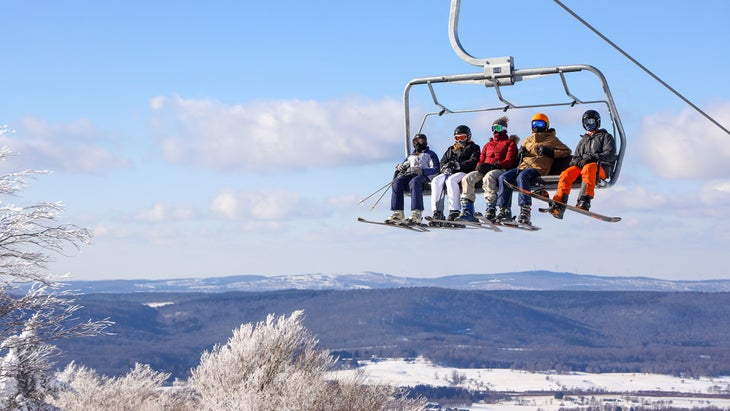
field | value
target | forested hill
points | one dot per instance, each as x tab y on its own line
684	333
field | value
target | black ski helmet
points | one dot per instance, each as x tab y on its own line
420	147
591	120
462	129
419	135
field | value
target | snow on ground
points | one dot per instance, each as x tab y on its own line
400	372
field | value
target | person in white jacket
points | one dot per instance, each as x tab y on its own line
415	171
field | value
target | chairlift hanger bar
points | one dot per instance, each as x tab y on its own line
500	71
641	66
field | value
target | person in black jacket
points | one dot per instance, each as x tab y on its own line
458	160
595	152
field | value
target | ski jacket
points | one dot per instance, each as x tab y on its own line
467	156
542	163
427	160
601	144
499	149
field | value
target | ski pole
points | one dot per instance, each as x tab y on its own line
377	191
379	198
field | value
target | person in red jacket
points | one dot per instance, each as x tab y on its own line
497	156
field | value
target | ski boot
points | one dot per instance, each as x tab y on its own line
453	215
437	215
505	214
584	202
491	213
415	218
524	217
557	210
467	211
396	218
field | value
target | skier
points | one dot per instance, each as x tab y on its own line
498	155
458	160
536	156
416	170
596	149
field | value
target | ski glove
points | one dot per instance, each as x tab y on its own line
484	168
402	167
415	170
545	151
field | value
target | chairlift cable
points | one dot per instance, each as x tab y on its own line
607	40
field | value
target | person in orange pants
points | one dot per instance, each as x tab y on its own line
595	148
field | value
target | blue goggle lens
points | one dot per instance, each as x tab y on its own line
539	124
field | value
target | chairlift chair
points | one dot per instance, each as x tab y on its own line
499	72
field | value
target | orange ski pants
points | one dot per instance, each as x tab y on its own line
570	174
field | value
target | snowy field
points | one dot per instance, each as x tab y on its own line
681	392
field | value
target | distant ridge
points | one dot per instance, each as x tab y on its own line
526	280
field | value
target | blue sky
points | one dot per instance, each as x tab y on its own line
201	139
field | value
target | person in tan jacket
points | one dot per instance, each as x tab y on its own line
537	153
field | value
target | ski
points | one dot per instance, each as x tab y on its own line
511	224
550	201
421	228
460	224
432	222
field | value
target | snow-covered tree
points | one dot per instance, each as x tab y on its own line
142	389
25	382
33	310
276	365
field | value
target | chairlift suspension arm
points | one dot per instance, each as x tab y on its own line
500	71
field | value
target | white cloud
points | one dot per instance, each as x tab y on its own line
272	135
165	212
75	147
264	206
102	230
225	205
687	145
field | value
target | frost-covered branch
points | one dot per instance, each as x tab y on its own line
33	308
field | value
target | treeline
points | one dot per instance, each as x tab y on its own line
679	333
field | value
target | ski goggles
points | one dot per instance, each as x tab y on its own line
539	124
461	137
590	124
498	128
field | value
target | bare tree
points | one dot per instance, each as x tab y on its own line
31	300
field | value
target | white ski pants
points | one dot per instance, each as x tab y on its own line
453	191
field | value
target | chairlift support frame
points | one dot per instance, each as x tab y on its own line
499	72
